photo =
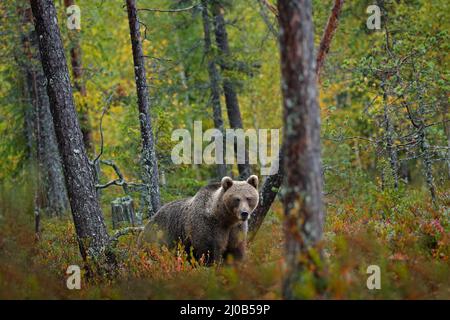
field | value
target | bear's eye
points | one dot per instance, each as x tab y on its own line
237	200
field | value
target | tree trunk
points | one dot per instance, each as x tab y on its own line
231	99
214	84
267	195
150	164
28	119
273	183
425	147
51	177
328	33
302	196
79	85
90	227
389	135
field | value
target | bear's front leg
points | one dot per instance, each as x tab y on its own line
237	242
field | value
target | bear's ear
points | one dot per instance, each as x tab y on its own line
226	183
253	180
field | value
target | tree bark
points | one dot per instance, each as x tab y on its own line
90	227
51	177
79	85
150	165
302	196
214	83
328	33
231	98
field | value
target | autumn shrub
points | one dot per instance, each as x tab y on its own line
402	233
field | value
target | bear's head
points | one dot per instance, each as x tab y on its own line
240	197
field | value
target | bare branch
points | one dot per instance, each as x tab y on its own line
269	6
105	109
169	10
121	182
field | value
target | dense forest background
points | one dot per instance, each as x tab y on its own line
383	97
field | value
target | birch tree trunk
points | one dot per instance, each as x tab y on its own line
149	161
302	195
90	227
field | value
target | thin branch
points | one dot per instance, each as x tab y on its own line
120	181
272	29
269	6
105	109
169	10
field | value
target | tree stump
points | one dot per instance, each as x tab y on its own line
122	212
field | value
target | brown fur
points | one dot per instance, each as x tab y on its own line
211	223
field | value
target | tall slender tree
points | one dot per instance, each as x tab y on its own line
54	196
302	195
328	33
92	235
214	81
149	161
79	84
272	184
231	98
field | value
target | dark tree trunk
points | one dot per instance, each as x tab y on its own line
302	196
214	83
52	174
50	171
28	119
389	135
150	164
267	195
231	99
90	227
79	85
328	33
425	146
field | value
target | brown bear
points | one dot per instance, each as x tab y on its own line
213	223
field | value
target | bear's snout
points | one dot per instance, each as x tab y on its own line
244	215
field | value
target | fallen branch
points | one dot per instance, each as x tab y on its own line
122	232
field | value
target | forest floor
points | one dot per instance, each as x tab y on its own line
406	236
